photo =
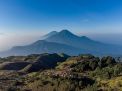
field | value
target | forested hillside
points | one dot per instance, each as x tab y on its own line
76	73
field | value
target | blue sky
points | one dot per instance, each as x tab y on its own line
31	18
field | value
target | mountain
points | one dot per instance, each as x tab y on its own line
65	42
95	47
66	37
42	46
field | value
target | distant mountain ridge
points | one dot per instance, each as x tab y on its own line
68	38
41	46
65	42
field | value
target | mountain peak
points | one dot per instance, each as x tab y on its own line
53	32
49	34
85	37
65	31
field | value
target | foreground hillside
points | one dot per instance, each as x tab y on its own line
60	72
31	63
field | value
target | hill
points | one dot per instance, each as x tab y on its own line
59	72
31	63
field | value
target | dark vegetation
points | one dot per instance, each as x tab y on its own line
32	63
60	72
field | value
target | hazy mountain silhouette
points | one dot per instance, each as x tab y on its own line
65	42
49	35
42	46
68	38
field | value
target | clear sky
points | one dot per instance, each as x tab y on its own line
23	21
